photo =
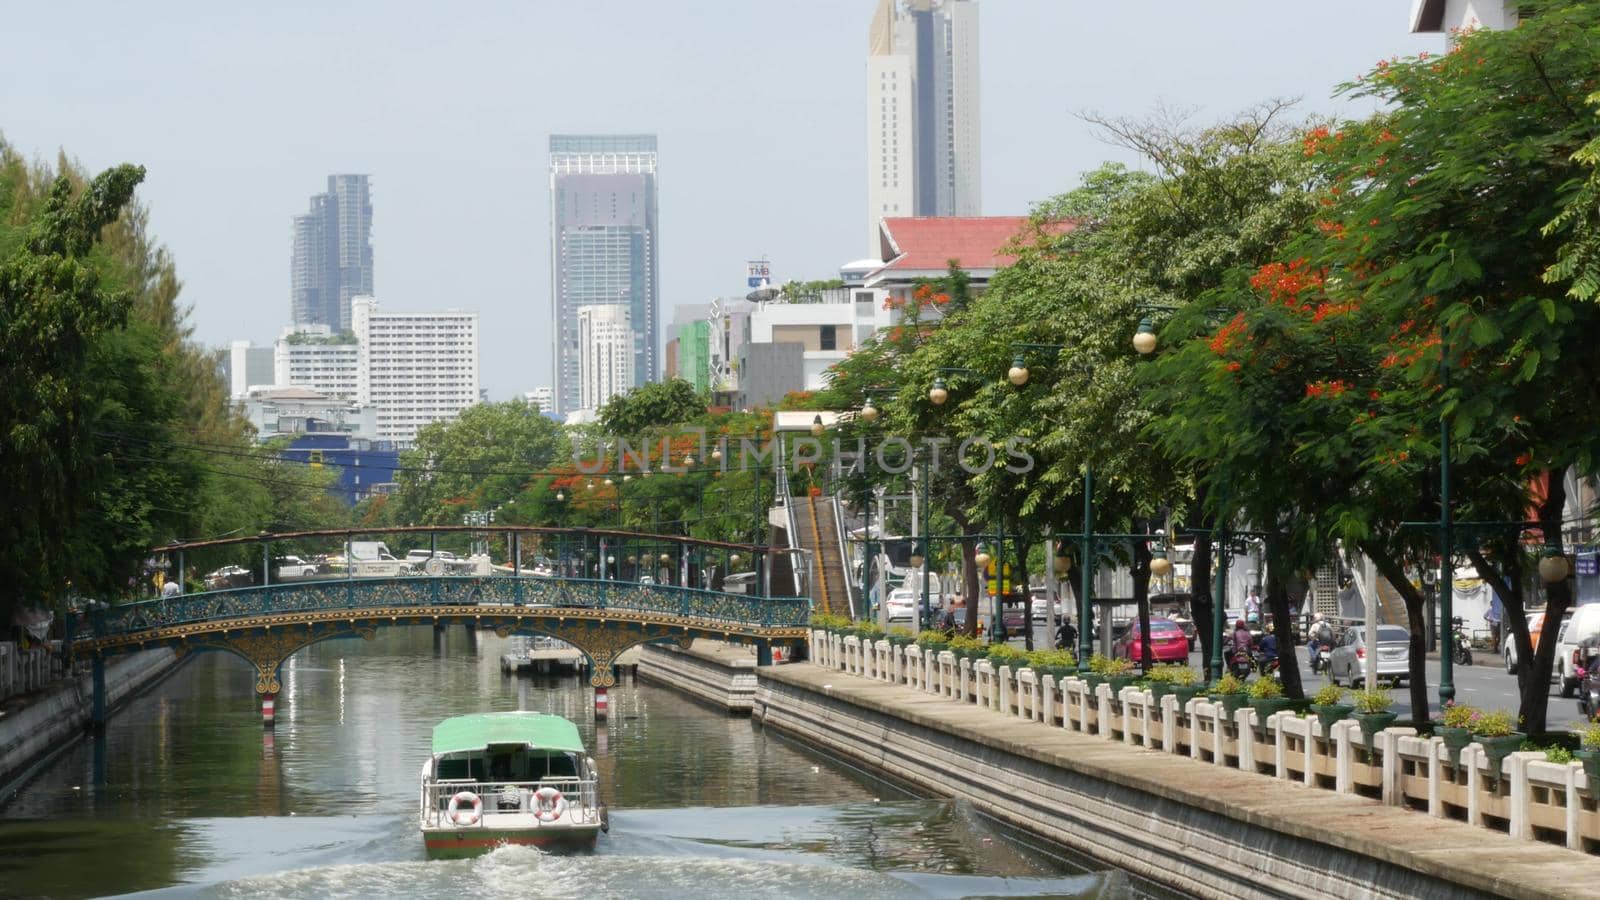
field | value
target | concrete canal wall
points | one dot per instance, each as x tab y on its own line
718	674
53	721
1196	826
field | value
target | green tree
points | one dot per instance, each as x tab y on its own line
655	405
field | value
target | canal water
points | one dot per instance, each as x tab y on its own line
195	799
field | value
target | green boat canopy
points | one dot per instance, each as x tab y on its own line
540	731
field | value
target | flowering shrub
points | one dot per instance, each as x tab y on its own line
1329	695
1458	715
1493	724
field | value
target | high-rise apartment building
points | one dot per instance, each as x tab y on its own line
603	249
923	150
314	357
606	354
416	368
331	255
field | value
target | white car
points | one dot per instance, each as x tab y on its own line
422	556
1040	611
294	567
902	605
1584	624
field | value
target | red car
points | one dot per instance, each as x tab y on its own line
1167	643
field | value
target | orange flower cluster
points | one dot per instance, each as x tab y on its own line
1284	284
1317	137
924	295
1222	341
1524	458
1334	388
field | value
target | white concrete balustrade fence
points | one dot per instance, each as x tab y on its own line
1529	797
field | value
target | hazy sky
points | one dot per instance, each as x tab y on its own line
240	111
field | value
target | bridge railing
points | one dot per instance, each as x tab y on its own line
422	592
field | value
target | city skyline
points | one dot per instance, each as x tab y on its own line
463	206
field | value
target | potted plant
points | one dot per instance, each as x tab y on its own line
1006	655
1096	675
1455	729
1588	753
1496	733
900	636
1326	704
1158	681
1372	711
1185	684
933	641
1266	695
1230	692
1119	674
1052	662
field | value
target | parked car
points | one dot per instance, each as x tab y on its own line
1348	661
1167	643
229	577
421	556
1584	624
285	567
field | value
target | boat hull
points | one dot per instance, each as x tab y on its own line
461	843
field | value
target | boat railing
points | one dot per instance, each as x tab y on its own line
582	796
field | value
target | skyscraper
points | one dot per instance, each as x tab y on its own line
331	256
922	111
603	248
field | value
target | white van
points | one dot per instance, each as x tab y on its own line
1584	624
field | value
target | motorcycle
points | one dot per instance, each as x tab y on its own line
1320	659
1265	666
1240	662
1460	644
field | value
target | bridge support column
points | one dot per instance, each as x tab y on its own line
269	709
763	653
601	704
97	715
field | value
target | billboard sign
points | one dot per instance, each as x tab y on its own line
758	273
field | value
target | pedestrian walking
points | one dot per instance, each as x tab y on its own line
1496	618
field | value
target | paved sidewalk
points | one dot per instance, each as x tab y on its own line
1449	850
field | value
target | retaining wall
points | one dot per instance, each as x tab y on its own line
1210	803
718	674
49	723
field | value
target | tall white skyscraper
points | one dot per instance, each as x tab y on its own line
923	153
605	354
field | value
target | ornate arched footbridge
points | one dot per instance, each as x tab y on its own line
588	588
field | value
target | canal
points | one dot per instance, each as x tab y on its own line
194	798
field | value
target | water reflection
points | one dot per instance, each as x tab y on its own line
199	798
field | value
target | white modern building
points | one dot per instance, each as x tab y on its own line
248	366
543	398
279	411
605	354
317	358
923	136
414	368
1443	16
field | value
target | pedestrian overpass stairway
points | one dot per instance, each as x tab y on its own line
1391	606
817	531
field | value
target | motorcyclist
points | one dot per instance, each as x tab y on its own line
1241	639
1320	635
1267	649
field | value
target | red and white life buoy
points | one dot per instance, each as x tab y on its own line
548	804
471	814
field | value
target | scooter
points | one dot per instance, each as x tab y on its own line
1240	662
1320	659
1460	644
